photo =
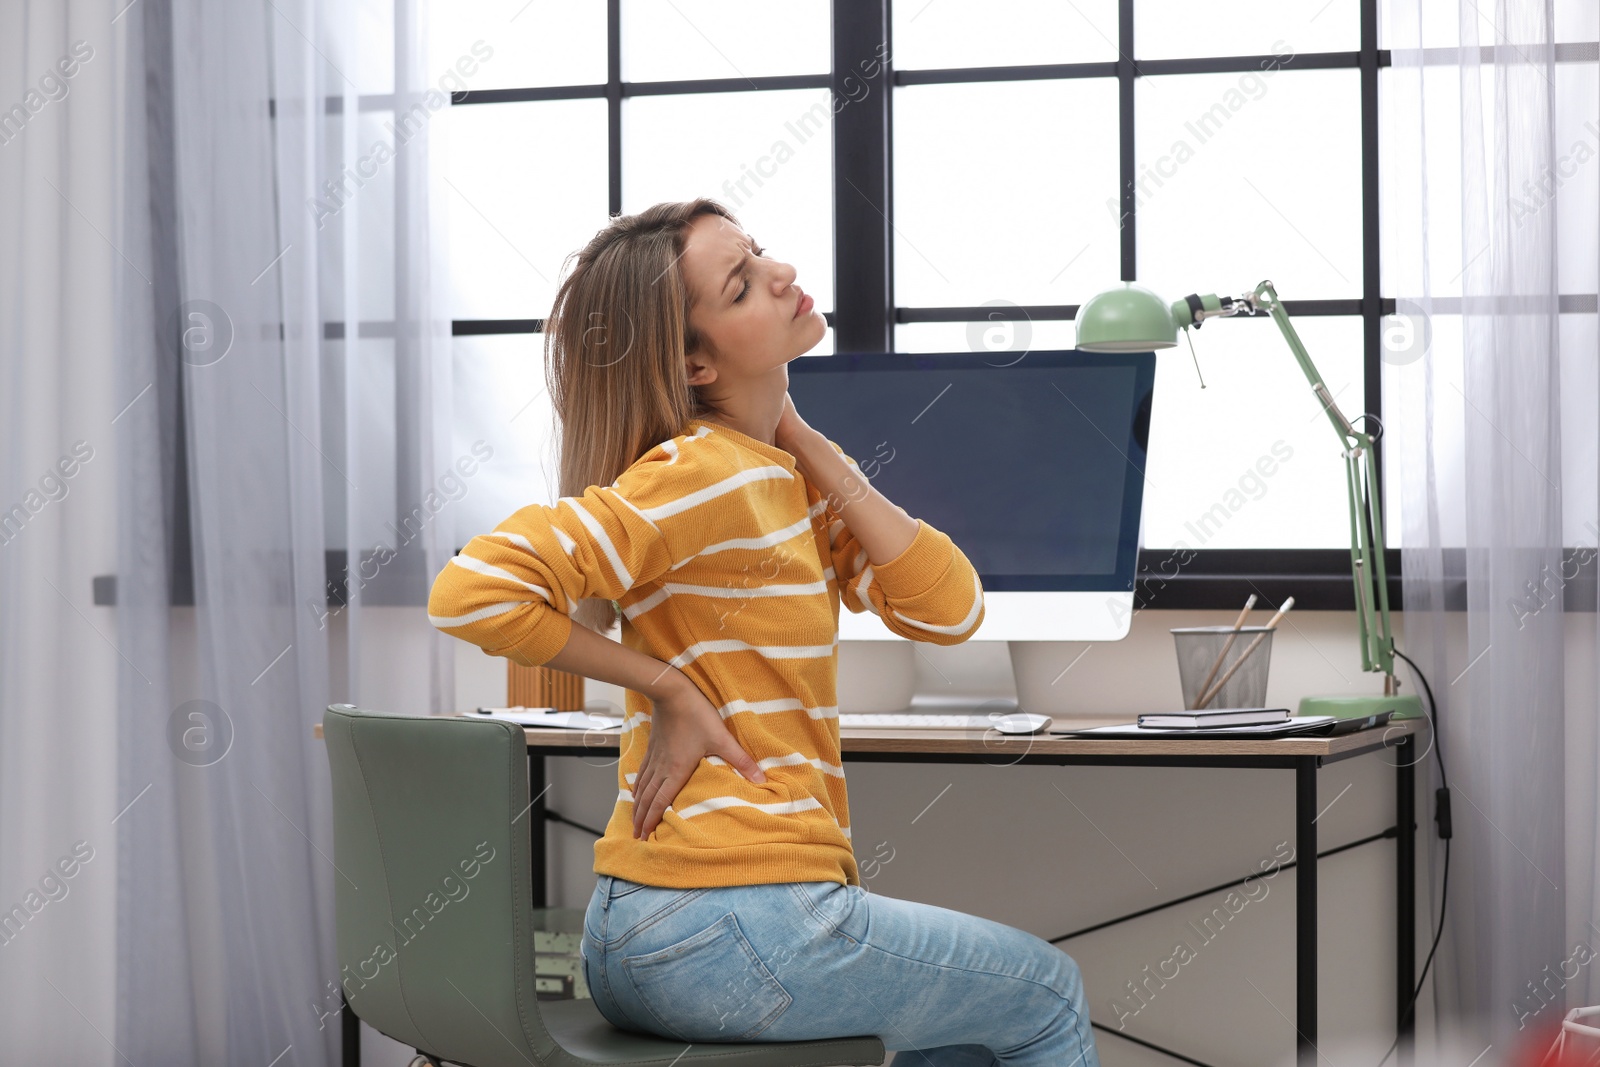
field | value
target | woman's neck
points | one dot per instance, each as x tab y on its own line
766	435
754	416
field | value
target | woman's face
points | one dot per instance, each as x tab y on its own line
743	306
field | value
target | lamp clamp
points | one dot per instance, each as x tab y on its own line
1213	306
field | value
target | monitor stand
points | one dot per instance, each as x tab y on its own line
1017	654
889	676
876	676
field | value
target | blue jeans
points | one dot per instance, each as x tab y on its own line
793	961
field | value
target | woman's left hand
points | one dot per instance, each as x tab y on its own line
791	427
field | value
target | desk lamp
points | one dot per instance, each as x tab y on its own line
1131	318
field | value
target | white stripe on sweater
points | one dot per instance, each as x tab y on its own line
655	599
754	707
730	484
862	582
792	759
601	538
446	621
633	508
771	540
767	707
701	648
789	589
777	807
670	446
489	570
516	539
720	803
959	628
639	607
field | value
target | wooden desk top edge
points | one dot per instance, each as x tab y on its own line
975	742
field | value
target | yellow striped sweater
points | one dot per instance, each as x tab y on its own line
729	565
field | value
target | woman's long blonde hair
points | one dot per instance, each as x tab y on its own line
614	348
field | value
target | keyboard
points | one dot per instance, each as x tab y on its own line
1012	722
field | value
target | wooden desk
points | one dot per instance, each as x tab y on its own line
1304	756
981	742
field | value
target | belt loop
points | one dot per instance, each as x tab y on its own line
605	892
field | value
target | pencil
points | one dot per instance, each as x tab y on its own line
1205	698
1205	686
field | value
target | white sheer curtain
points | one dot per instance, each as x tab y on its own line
59	656
1490	156
218	274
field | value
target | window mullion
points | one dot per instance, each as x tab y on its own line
863	308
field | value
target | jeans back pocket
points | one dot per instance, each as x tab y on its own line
711	986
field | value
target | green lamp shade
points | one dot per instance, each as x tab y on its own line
1129	318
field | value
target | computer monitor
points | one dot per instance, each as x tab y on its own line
1034	465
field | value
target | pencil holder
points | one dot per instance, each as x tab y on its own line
543	687
1198	650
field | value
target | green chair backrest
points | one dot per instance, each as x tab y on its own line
433	905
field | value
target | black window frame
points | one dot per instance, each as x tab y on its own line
865	314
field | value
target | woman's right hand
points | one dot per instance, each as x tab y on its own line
684	728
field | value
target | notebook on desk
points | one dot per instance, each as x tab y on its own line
1212	717
1297	724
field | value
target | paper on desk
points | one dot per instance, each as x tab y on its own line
1294	724
549	717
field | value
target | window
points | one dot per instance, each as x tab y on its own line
1011	182
987	165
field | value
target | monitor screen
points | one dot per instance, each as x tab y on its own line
1033	466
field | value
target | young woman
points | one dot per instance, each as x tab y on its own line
726	531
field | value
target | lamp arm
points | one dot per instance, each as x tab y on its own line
1384	653
1366	506
1367	567
1341	425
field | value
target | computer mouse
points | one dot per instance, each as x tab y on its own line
1019	722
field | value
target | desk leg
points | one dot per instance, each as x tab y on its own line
536	829
1305	909
1405	889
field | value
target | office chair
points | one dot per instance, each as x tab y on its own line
434	908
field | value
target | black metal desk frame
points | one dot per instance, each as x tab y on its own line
1305	768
